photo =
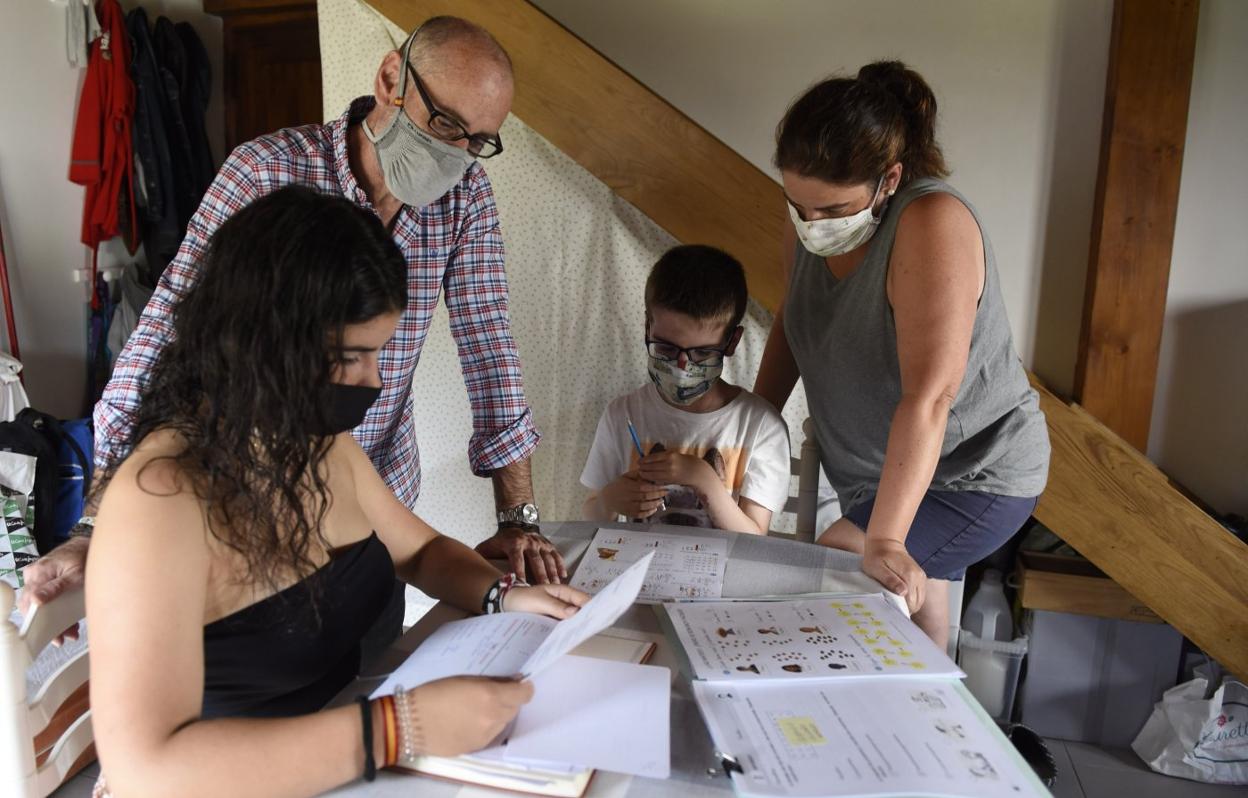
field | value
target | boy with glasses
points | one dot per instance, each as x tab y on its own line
689	448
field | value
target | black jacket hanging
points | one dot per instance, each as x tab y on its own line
171	59
195	93
153	163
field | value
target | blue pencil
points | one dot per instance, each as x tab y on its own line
636	441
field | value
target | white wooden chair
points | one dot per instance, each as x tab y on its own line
805	504
46	738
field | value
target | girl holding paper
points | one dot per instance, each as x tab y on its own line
247	544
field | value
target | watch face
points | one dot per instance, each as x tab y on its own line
528	513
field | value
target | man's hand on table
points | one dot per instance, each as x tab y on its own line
57	572
532	557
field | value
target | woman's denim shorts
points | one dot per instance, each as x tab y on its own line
954	529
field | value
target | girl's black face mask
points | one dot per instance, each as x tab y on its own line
346	405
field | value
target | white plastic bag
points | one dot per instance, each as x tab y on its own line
1197	738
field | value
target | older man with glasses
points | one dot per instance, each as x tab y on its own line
408	153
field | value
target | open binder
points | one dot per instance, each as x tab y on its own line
838	696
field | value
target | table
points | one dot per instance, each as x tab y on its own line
756	566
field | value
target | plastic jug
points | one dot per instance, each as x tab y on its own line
987	615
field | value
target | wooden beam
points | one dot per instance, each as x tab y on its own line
679	175
1149	82
1104	498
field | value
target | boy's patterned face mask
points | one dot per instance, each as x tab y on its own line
682	386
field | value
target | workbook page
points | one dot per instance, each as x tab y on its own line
487	645
599	612
804	639
684	566
881	737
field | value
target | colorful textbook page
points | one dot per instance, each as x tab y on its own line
684	566
804	639
883	737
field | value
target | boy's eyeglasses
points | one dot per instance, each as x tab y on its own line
698	355
448	128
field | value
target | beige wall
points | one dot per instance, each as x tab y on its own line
1200	418
1020	87
41	211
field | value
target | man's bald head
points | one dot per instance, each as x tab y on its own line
443	43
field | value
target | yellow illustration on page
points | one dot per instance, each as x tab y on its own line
799	731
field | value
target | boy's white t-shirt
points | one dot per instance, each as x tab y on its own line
746	440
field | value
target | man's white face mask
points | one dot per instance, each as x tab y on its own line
828	237
417	167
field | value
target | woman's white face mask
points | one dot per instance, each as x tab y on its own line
828	237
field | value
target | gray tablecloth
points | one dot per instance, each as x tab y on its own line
757	566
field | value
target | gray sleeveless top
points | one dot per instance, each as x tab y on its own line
842	335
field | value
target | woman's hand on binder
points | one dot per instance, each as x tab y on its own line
887	561
462	713
557	601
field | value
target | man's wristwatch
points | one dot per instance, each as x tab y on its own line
83	528
520	515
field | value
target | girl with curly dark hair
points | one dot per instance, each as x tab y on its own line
246	545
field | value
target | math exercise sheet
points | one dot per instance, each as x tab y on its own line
804	639
684	566
883	737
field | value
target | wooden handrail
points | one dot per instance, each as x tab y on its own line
1104	498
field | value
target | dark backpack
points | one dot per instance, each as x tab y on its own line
63	467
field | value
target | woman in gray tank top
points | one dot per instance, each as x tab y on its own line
927	426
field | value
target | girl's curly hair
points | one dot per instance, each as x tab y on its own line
244	379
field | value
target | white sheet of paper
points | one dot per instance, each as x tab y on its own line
684	566
598	613
880	737
855	635
487	645
597	713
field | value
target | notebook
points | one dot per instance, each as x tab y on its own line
538	754
492	768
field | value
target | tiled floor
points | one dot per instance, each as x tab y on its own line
1086	771
79	786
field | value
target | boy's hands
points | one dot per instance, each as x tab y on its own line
632	497
674	468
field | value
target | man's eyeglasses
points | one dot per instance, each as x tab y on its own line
698	355
448	128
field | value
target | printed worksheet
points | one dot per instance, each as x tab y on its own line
804	639
861	738
684	566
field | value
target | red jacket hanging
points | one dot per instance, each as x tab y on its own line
102	157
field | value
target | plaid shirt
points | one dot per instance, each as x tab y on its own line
453	244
